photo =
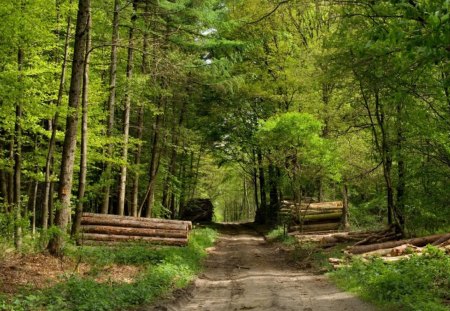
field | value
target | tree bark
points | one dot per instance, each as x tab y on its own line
273	194
344	220
111	107
84	135
126	115
126	221
255	182
48	195
154	166
360	249
18	161
401	170
261	217
126	238
68	154
139	136
33	207
150	232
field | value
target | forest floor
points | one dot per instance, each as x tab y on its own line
245	272
39	271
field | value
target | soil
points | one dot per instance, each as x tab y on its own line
39	271
244	272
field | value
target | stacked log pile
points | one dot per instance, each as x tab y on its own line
200	210
113	229
312	217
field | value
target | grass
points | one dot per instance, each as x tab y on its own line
306	255
279	234
164	269
421	283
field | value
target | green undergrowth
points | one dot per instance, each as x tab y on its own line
279	234
421	283
163	270
306	255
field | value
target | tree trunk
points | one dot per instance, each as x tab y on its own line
4	186
154	166
111	107
261	217
48	195
10	175
401	171
84	135
255	182
18	161
33	207
140	131
197	170
273	194
344	221
68	154
126	115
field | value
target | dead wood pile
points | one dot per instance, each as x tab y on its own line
112	229
201	210
387	246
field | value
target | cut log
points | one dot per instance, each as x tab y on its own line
118	238
442	240
310	211
135	223
324	205
315	227
188	224
331	216
333	204
135	231
360	249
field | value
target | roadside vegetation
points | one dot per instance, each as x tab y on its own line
161	270
418	283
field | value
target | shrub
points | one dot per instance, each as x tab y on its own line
419	283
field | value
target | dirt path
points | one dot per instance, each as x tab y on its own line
243	272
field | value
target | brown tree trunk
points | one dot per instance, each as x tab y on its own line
387	157
33	207
255	182
344	221
48	195
4	186
140	131
111	107
273	194
401	171
18	161
154	166
261	217
68	154
84	135
126	116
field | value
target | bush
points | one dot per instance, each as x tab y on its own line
419	283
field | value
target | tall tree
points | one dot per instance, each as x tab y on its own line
111	107
56	243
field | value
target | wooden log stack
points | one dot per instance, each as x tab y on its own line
112	229
311	217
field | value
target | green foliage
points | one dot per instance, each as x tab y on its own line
164	269
418	283
279	234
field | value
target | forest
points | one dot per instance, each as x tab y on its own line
137	107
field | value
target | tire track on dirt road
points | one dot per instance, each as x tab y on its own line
244	272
